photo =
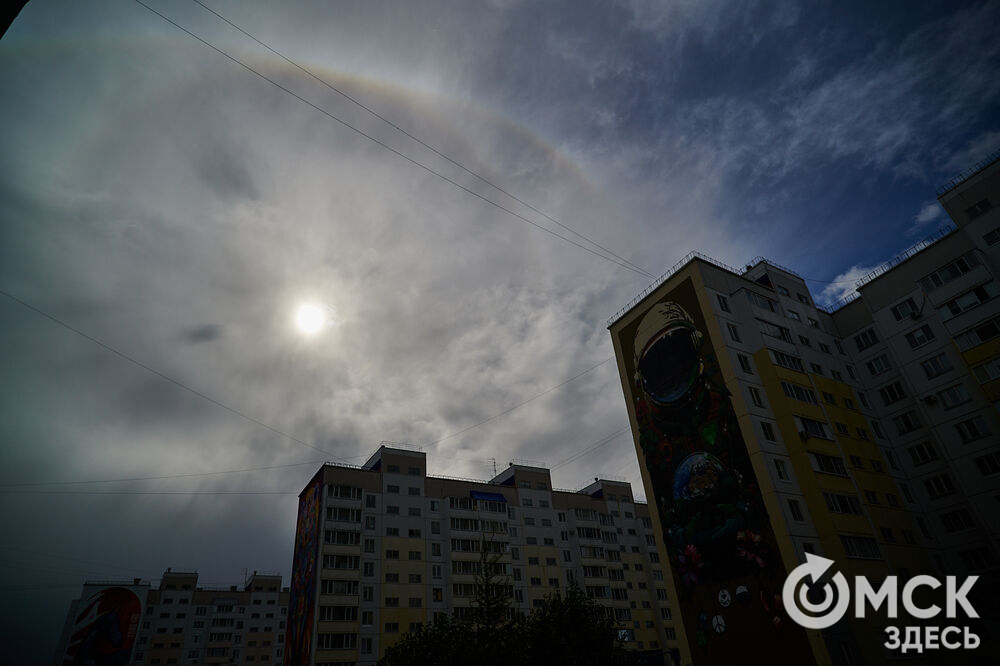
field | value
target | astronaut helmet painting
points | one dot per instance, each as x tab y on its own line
688	433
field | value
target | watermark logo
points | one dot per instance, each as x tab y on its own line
827	612
837	599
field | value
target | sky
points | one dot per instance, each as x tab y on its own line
166	203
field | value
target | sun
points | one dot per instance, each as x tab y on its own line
310	318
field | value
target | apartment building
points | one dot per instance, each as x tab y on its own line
384	548
177	622
866	433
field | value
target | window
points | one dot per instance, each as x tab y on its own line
971	299
939	486
414	491
842	428
392	554
762	302
796	510
788	361
856	462
744	363
392	510
920	337
817	368
815	324
768	430
981	333
977	558
866	339
370	501
892	393
978	209
723	303
936	366
829	399
906	423
775	331
878	365
804	341
392	627
871	497
755	397
860	547
955	521
836	375
792	314
392	469
953	396
829	464
413	471
803	298
992	237
413	511
989	464
904	309
973	429
812	428
949	272
734	333
988	371
800	393
393	490
838	503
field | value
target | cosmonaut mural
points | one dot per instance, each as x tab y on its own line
717	533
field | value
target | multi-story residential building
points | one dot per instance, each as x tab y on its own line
177	622
384	548
867	433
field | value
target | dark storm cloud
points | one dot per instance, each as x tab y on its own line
203	333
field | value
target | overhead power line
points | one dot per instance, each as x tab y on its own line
429	147
156	478
384	145
590	449
166	377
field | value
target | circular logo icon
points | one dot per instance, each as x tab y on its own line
719	624
825	613
725	598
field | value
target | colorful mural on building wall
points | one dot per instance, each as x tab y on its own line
105	629
302	598
719	538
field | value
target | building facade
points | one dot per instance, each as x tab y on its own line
177	622
384	548
871	428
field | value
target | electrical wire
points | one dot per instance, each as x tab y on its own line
603	442
391	149
165	377
421	142
156	478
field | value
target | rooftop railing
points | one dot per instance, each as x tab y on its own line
955	181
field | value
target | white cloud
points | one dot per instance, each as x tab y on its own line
930	212
843	285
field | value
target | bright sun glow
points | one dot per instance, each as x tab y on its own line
310	318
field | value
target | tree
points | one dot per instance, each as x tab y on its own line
570	630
